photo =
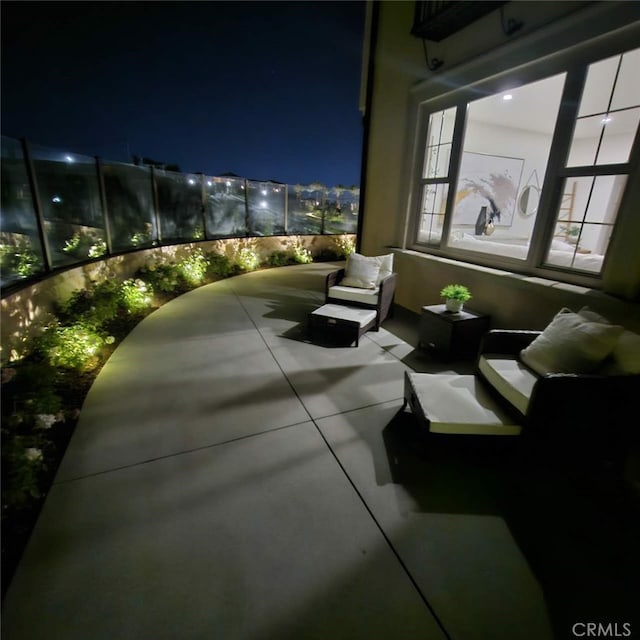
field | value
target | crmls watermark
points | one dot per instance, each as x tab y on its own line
601	630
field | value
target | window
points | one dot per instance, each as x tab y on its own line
530	177
596	170
435	175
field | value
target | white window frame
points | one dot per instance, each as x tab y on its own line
575	64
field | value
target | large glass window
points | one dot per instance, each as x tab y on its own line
505	150
530	176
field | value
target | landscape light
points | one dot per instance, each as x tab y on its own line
264	192
56	199
69	158
263	204
607	119
192	181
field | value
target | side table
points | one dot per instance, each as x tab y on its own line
452	335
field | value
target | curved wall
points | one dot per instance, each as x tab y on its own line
25	312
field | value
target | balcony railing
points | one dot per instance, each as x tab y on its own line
62	209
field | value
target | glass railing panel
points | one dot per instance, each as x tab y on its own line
71	206
20	246
338	211
225	207
131	214
265	201
179	206
300	215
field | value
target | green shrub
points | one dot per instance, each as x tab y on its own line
193	268
220	265
278	259
76	346
247	259
136	295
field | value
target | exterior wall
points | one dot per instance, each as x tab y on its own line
26	311
472	55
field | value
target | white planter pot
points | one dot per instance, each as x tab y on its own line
455	306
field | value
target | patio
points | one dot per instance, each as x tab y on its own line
230	479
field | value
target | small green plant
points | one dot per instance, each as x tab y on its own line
345	245
300	253
76	346
98	249
72	244
20	259
193	268
136	295
247	259
456	292
220	265
278	259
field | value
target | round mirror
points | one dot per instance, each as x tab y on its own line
528	200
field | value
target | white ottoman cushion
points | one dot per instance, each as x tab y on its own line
342	312
460	404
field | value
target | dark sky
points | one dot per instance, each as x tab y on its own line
268	90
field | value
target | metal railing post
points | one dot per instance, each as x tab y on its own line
103	204
37	204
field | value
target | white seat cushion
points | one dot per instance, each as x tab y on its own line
354	294
460	404
510	378
341	312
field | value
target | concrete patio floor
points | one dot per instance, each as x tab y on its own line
229	479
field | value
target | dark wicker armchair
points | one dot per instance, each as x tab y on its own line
381	298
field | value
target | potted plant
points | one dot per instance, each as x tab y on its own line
455	295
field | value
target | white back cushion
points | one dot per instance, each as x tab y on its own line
361	272
571	344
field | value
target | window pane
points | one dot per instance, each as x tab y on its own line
20	248
585	221
598	87
338	216
434	200
438	147
604	133
505	150
130	205
627	91
619	133
71	207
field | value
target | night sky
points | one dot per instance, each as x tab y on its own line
267	90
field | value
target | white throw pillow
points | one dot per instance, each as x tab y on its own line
361	272
625	358
571	344
386	266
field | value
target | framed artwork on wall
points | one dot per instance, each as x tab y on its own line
488	181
